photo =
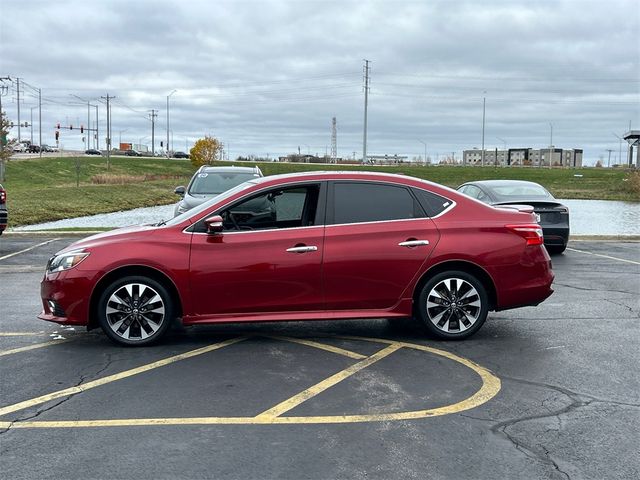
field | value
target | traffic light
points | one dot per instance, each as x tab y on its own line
161	145
58	126
57	135
70	127
81	128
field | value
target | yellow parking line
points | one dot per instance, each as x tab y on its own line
321	346
311	392
603	256
28	249
112	378
490	387
32	347
22	334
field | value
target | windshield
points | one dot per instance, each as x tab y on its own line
214	183
518	191
204	206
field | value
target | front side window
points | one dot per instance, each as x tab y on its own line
372	202
277	208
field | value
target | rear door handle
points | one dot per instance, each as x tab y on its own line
413	243
302	249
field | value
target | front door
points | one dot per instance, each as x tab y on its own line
267	258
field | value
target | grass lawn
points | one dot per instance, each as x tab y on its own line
41	190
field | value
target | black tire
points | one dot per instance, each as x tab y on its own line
555	249
135	311
456	311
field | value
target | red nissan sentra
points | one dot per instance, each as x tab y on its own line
311	246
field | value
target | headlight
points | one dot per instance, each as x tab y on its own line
65	261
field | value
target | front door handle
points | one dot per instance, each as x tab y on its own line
302	249
413	243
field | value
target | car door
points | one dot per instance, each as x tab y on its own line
267	258
377	238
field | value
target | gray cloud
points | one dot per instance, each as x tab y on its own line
267	77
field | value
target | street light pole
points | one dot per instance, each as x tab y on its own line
425	151
31	108
167	146
484	104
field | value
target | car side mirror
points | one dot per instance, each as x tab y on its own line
214	224
180	191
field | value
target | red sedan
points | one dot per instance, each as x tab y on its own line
304	247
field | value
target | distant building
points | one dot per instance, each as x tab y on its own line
518	157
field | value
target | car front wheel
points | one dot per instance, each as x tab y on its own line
453	305
135	311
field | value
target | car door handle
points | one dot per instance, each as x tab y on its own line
302	249
413	243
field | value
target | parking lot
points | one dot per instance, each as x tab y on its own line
541	392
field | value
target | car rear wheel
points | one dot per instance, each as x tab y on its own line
453	305
135	311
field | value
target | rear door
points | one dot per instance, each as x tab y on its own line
377	238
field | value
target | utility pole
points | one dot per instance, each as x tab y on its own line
425	150
550	144
108	140
18	92
620	150
40	120
484	103
366	104
153	116
31	125
97	133
609	160
167	145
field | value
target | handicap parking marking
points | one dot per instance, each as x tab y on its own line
112	378
29	248
603	256
490	387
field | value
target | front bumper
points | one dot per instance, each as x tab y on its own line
66	297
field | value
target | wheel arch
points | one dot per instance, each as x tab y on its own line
464	266
128	270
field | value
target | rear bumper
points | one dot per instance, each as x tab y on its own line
555	235
526	283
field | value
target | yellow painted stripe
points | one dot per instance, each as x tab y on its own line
32	347
604	256
320	387
23	334
321	346
28	249
491	385
118	376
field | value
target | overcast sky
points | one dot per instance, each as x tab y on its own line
266	77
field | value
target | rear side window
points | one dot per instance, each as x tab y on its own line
372	202
432	203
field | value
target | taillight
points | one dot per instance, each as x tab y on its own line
531	232
3	196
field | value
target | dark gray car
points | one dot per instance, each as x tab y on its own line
552	216
209	182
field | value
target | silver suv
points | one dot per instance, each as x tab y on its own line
208	182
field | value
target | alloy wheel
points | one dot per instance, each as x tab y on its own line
453	305
135	311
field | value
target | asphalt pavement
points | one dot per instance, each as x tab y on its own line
542	392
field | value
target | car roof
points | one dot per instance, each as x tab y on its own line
210	169
353	175
499	183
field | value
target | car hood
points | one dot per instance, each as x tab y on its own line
191	201
111	237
